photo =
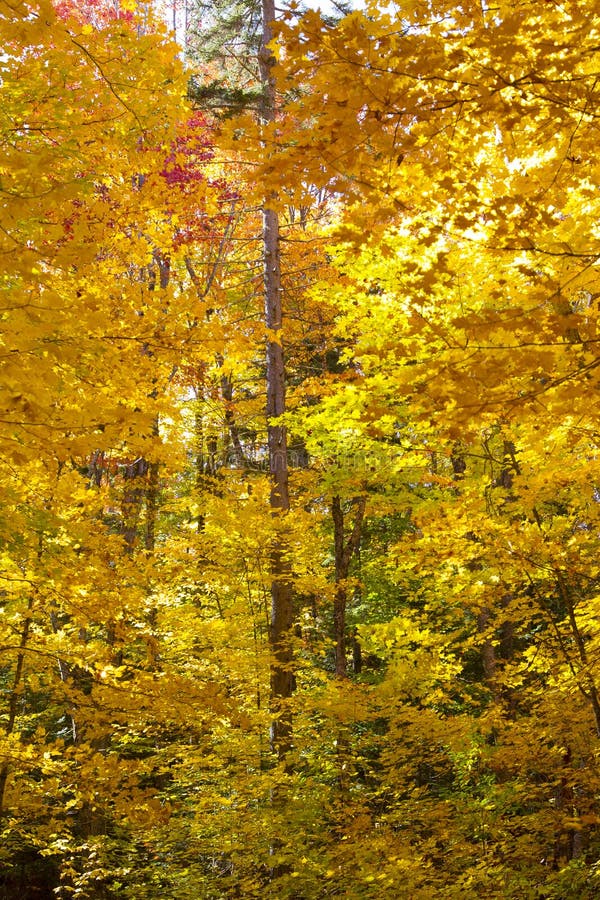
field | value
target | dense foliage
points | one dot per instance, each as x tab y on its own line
433	173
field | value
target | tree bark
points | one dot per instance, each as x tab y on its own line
344	551
13	697
282	610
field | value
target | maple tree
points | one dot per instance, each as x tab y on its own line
320	622
464	305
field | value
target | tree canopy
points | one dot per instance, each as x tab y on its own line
300	522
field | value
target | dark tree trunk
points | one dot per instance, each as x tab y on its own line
282	608
345	549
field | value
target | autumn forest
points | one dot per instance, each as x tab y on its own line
299	450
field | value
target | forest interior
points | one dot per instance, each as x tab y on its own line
299	450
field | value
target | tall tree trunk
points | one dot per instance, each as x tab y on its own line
282	610
152	643
344	551
13	696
